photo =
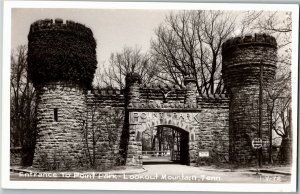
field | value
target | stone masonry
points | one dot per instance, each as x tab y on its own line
246	61
82	127
213	133
59	141
204	118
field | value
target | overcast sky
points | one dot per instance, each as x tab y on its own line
112	29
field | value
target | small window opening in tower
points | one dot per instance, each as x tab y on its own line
55	114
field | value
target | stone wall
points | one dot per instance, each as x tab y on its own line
160	105
104	123
59	142
16	156
213	134
204	118
161	96
87	131
183	122
90	125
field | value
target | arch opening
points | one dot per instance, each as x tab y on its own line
165	144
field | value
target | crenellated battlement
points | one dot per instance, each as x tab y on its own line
68	26
161	91
243	57
255	39
58	87
105	92
214	96
161	86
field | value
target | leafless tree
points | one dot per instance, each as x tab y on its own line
128	61
267	21
163	135
278	99
22	107
279	25
100	133
189	44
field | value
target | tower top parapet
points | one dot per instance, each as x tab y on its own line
243	58
249	39
189	79
133	78
60	25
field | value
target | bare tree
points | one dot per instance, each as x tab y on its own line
279	25
22	107
189	44
100	133
278	101
101	80
128	61
267	21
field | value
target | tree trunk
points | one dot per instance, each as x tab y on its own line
159	132
153	143
270	137
286	150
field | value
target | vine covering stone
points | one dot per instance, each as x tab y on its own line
60	51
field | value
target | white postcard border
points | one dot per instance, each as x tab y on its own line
5	134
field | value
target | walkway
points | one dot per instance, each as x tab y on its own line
157	160
163	172
183	173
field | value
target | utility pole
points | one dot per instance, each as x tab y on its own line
270	110
260	112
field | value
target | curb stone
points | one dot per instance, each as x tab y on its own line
272	171
250	170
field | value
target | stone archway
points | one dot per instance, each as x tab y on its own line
186	122
165	144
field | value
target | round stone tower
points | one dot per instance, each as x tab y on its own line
61	64
248	68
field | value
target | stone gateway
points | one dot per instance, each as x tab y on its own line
80	126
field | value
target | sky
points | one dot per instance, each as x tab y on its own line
112	29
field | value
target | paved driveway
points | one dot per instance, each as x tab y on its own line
183	173
164	171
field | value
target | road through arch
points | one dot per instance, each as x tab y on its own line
165	144
185	124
